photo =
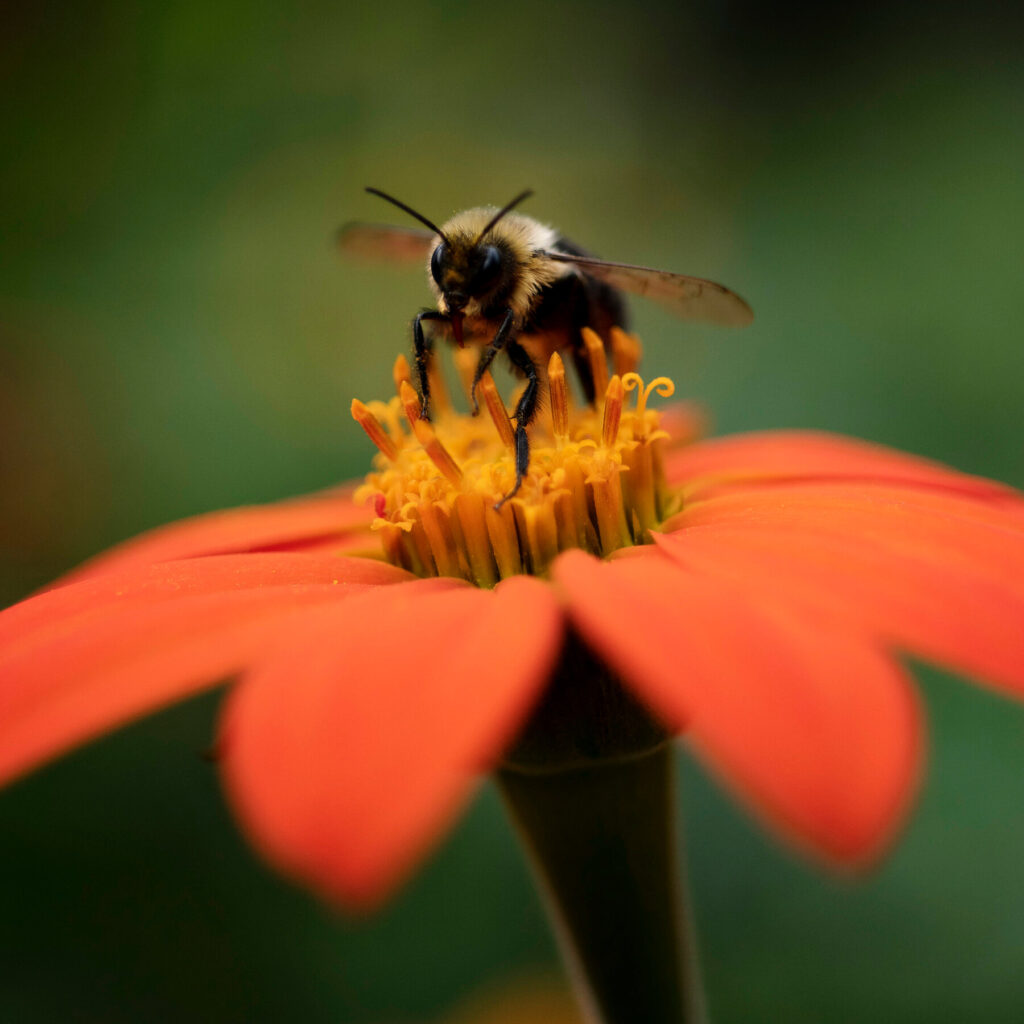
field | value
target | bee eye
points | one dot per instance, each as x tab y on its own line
437	262
489	269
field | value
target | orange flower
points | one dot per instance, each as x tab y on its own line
753	592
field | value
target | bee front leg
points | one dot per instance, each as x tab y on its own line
488	354
526	409
424	353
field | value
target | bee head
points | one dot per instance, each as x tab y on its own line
468	271
465	267
477	266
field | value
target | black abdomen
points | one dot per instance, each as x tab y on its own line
571	303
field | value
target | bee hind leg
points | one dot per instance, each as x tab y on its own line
526	410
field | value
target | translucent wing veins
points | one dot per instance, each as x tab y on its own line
384	242
693	298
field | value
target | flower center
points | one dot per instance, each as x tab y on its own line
595	478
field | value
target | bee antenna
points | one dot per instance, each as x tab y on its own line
409	210
501	213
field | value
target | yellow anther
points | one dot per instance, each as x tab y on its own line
410	402
401	372
436	451
496	407
374	430
559	392
612	411
598	363
625	351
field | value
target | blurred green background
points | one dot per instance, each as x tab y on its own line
177	335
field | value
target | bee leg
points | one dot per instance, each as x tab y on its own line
526	409
424	353
488	354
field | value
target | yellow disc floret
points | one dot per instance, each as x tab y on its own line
594	482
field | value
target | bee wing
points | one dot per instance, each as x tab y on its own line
692	298
384	243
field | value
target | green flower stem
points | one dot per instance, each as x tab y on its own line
590	790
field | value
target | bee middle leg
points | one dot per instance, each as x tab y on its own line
424	350
526	409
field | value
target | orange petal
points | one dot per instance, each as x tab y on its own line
85	658
347	756
809	723
790	455
936	602
284	525
57	608
684	422
944	527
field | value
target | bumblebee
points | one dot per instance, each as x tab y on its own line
508	283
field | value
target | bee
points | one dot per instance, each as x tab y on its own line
507	283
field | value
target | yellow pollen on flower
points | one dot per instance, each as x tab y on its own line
595	479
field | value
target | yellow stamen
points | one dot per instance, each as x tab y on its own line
389	416
559	392
469	510
596	358
625	351
391	539
639	487
438	454
612	411
418	552
565	522
400	372
374	430
610	513
596	477
501	526
575	480
499	414
537	527
410	403
439	534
